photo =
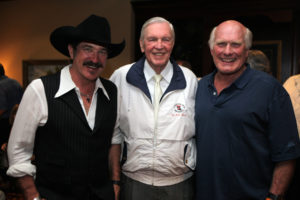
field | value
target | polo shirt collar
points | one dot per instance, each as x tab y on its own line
240	82
244	78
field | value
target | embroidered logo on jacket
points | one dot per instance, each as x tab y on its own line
179	108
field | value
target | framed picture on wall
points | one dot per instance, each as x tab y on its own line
273	50
33	69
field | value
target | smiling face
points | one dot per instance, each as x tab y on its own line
229	50
88	61
157	44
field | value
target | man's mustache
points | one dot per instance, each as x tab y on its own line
92	64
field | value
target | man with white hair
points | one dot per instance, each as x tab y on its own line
156	119
246	132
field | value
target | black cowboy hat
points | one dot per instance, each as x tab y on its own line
94	29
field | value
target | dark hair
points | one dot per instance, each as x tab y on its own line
2	72
75	44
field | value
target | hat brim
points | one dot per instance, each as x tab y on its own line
61	37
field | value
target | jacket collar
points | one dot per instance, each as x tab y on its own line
136	77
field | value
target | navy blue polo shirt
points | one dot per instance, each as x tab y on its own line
241	133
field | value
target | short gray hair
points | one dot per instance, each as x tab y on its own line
247	38
156	20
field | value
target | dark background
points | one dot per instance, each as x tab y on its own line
193	21
275	26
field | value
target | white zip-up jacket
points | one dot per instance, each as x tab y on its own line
164	155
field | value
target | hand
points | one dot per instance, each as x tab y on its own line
26	184
38	198
117	189
4	146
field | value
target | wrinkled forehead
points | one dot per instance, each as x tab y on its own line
234	32
158	28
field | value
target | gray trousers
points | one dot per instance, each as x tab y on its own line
135	190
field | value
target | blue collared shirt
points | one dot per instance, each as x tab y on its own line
240	134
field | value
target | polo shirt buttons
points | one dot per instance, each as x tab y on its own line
214	93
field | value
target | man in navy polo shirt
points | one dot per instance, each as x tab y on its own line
246	132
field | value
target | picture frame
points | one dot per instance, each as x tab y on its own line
33	69
273	50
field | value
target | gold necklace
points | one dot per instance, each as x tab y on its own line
87	96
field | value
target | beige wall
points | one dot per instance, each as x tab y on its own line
27	24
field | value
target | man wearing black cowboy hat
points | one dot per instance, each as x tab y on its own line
66	121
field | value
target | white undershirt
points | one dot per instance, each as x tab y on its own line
167	75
